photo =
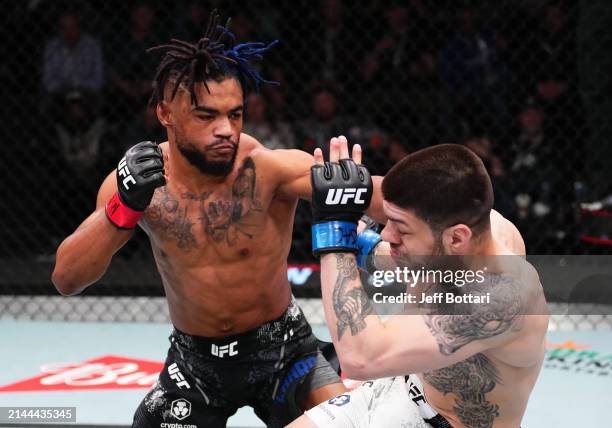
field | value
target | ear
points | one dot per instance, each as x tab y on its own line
457	239
164	114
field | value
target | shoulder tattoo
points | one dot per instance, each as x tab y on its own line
483	320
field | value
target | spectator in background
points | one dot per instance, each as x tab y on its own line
323	119
144	127
554	79
323	43
262	125
384	70
79	134
276	95
481	143
74	163
400	143
547	65
192	20
595	39
72	61
131	68
542	189
327	118
476	79
400	71
399	148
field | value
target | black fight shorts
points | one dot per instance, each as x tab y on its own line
205	380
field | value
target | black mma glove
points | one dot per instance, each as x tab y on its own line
139	173
341	192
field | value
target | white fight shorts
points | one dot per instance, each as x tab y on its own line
381	403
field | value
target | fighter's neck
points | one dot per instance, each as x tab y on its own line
485	245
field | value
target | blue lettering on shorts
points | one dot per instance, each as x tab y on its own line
340	400
297	371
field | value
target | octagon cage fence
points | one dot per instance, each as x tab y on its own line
525	84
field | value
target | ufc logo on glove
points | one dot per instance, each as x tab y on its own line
342	196
123	171
341	192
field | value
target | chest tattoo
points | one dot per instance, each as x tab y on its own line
224	220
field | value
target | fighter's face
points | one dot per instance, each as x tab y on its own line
408	235
208	135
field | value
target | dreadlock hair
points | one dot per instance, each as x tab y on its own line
213	57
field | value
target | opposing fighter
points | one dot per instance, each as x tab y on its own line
218	208
473	368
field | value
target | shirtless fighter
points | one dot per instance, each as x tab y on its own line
433	370
218	208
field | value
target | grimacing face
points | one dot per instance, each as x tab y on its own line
208	135
408	235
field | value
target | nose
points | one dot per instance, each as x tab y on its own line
223	128
388	234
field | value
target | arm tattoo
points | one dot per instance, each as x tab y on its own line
485	320
351	306
469	380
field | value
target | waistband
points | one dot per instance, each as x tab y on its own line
271	333
428	413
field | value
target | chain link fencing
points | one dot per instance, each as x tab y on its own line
525	84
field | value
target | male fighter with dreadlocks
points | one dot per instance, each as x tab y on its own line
218	208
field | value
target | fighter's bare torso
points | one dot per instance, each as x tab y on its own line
222	251
491	388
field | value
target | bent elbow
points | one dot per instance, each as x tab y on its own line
62	284
354	367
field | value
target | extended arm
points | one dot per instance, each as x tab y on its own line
294	172
369	348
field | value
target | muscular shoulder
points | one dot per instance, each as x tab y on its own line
288	168
279	158
496	318
250	144
507	234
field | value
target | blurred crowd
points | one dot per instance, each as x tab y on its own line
505	79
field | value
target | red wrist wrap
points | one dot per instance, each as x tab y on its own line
120	215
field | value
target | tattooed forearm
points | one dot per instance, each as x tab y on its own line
351	305
469	380
484	321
